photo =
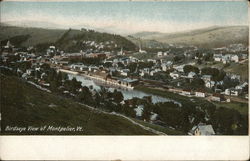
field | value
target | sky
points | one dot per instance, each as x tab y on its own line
126	17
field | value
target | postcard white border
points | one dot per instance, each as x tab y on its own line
124	148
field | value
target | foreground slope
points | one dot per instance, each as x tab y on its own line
23	105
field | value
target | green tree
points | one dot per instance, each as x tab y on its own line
118	96
190	68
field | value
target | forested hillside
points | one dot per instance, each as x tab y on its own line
70	40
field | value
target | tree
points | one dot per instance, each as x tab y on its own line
107	64
199	61
132	67
72	85
45	67
120	65
197	83
86	96
217	75
118	96
190	68
177	59
228	121
146	113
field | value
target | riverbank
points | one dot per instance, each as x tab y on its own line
112	82
239	106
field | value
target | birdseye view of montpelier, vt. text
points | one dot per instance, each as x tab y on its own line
124	68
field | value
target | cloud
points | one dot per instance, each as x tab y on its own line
127	25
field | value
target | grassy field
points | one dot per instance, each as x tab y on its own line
241	69
23	105
165	130
241	107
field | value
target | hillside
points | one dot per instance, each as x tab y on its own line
24	105
68	40
36	35
208	37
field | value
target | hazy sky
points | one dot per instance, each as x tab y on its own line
125	17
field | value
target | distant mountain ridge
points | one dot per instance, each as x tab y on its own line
215	36
210	37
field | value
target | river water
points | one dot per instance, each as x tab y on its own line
127	93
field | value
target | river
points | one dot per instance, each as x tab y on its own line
127	93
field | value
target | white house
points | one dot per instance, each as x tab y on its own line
243	85
200	93
166	65
151	60
30	71
152	73
191	75
186	92
179	68
227	92
202	129
235	58
233	76
139	110
210	84
174	75
165	53
217	97
218	57
234	92
160	54
226	58
206	78
124	72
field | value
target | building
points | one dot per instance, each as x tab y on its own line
234	92
179	68
227	92
130	83
186	92
139	110
191	75
218	57
124	72
174	75
103	75
235	58
160	54
210	84
202	129
200	93
226	58
243	85
206	78
217	97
